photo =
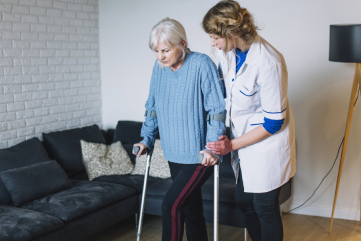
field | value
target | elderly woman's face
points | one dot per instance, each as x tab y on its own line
220	43
169	57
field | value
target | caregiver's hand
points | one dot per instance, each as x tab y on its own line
209	159
143	149
221	147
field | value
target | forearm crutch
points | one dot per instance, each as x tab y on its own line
215	198
146	174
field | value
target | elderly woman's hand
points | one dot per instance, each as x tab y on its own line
209	159
221	147
143	149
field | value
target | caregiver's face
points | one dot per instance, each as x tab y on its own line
220	43
169	57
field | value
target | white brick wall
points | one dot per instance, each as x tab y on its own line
49	67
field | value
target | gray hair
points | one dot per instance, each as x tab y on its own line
170	32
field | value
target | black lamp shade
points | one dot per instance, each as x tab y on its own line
345	43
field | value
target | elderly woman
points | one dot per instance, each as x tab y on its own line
185	104
263	132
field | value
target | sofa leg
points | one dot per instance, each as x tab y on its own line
136	220
245	234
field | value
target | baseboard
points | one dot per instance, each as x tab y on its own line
322	212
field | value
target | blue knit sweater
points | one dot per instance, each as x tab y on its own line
182	100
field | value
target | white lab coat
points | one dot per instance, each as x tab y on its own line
258	90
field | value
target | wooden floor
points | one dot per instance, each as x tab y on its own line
296	228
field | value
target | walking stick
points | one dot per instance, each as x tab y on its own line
215	199
146	174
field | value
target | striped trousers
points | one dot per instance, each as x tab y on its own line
183	203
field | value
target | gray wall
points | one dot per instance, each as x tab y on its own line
49	67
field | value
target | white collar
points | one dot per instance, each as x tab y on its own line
253	53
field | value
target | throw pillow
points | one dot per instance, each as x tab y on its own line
23	154
35	181
102	160
158	165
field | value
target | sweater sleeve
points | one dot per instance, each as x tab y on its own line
150	125
273	81
213	93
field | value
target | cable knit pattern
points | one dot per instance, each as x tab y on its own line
182	100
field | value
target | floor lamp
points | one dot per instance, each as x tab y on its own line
345	46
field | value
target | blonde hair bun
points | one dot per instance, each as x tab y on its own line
228	18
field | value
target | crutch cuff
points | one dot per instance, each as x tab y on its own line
217	117
150	113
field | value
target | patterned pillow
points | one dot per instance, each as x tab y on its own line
158	165
102	160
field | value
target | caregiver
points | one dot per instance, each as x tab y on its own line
262	126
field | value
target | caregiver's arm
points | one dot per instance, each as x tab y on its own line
224	145
273	82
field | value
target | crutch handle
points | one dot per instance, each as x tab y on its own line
136	149
200	158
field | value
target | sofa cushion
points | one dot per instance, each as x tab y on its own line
134	181
64	146
82	176
159	188
109	135
84	227
128	132
129	148
225	169
19	224
83	198
158	166
102	160
227	189
35	181
23	154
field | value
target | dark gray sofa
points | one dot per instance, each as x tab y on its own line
89	207
67	215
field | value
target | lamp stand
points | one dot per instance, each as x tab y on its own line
356	83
